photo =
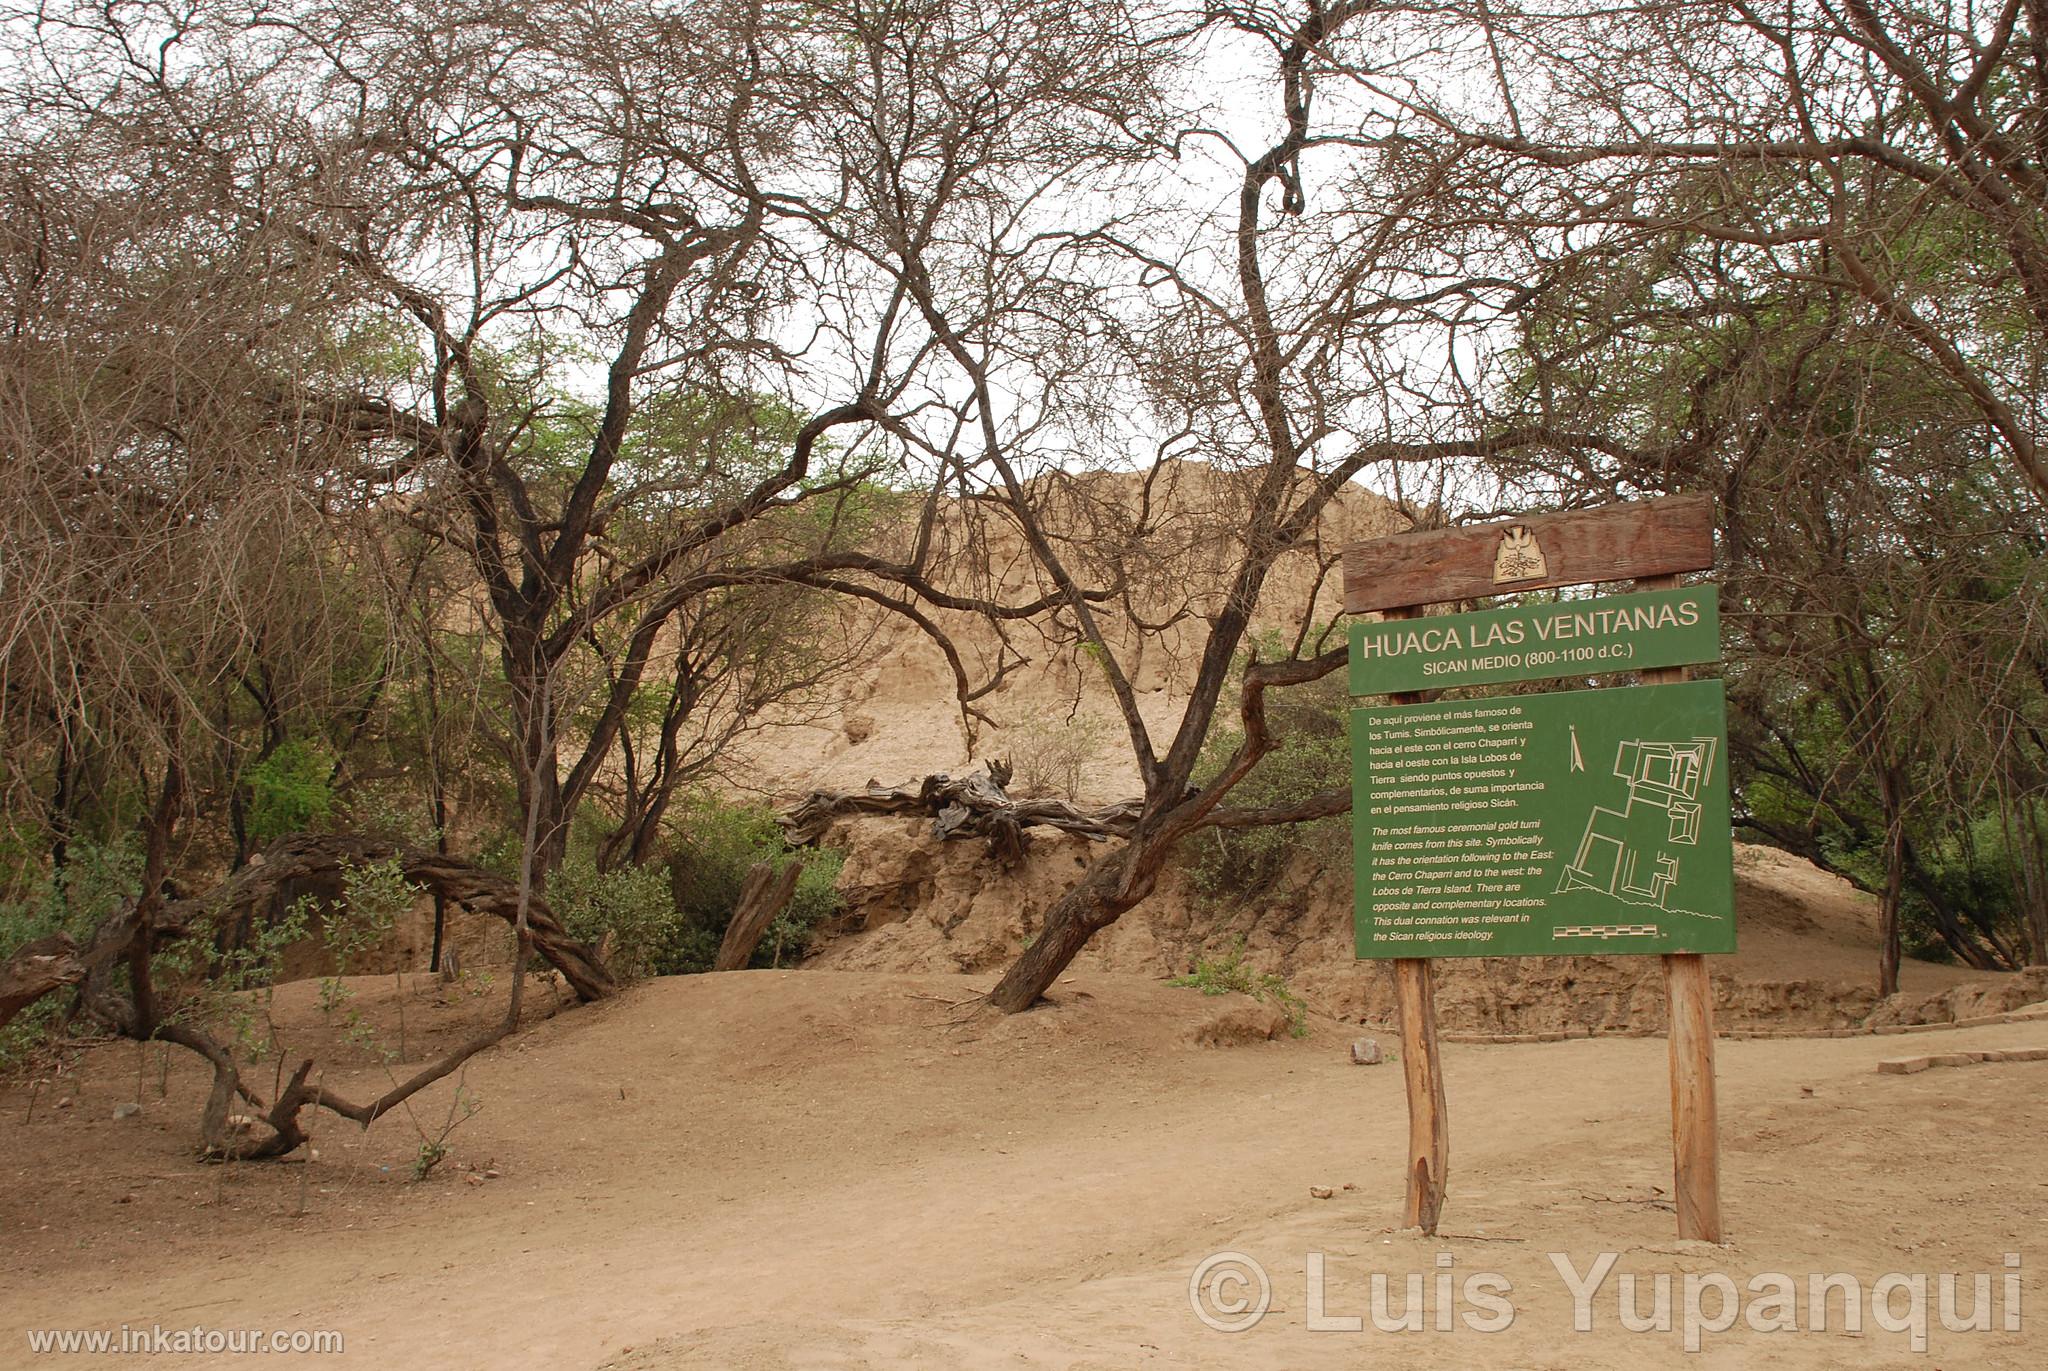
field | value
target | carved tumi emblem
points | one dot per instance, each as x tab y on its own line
1518	558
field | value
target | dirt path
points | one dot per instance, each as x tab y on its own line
824	1170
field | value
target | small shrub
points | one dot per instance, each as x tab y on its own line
374	896
434	1145
92	883
248	964
1312	723
1231	976
289	790
717	843
667	919
1050	757
431	1154
632	906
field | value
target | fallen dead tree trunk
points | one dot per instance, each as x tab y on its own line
972	806
51	963
35	970
765	893
977	806
135	932
307	857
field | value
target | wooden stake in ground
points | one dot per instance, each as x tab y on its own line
1689	1005
1429	1127
1695	1145
1422	1072
764	894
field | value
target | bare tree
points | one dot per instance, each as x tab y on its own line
166	545
1094	270
638	403
1881	582
1894	152
152	509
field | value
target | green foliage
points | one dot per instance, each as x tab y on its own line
1968	860
290	790
631	905
434	1146
1923	656
668	918
431	1154
718	842
91	884
1230	976
93	881
1881	570
1313	756
218	973
235	989
373	896
24	848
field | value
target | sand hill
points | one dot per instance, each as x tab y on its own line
1167	537
1808	939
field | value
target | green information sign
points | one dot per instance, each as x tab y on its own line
1529	642
1587	821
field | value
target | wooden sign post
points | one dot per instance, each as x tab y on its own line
1429	1124
1689	1029
1546	824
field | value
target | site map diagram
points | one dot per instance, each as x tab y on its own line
1570	822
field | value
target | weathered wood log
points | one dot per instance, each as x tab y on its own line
971	806
36	969
806	821
305	857
50	964
764	894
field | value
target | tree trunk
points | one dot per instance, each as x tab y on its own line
1080	914
764	894
2032	886
536	768
1118	881
541	796
1894	883
63	800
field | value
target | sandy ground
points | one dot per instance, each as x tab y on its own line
839	1170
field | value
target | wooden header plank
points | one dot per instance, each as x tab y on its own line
1612	543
